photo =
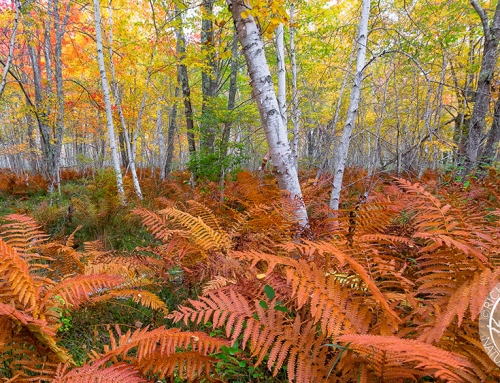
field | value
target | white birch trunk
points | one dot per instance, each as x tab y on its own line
280	60
265	97
107	101
295	92
17	5
118	104
343	146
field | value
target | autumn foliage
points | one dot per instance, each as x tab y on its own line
389	290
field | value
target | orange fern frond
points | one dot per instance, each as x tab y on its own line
391	358
142	297
22	232
202	234
73	292
98	372
265	332
17	282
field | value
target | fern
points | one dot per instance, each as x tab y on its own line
385	356
265	331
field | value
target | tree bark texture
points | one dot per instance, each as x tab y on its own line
483	90
265	97
107	101
343	147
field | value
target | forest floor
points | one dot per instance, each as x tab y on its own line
390	287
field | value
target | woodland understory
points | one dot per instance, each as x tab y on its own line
168	214
221	284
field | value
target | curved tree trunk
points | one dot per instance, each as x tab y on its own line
483	91
265	97
107	100
343	147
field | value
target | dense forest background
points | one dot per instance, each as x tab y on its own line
260	191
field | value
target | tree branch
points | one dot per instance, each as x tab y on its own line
484	18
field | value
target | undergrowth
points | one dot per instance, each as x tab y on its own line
215	284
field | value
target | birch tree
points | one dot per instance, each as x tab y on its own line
131	149
295	92
343	147
17	5
107	101
265	97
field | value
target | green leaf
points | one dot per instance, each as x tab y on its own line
263	304
269	292
281	308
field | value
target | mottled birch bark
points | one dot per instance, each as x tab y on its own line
265	97
12	41
280	61
116	93
107	101
483	90
295	91
343	147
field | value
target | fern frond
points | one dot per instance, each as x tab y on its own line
198	209
155	223
142	297
470	295
216	283
187	365
97	372
73	292
391	356
266	333
22	232
202	234
16	281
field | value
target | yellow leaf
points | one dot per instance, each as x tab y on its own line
244	14
260	276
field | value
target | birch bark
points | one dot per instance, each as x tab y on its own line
343	147
17	5
116	93
107	101
265	97
295	92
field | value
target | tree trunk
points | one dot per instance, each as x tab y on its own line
482	99
231	102
17	5
280	61
183	80
265	97
208	79
295	92
172	128
343	147
107	101
491	147
116	92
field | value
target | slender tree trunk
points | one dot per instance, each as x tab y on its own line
333	126
343	147
17	5
208	79
265	97
231	101
172	128
116	93
107	100
482	101
183	80
280	60
295	92
491	147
